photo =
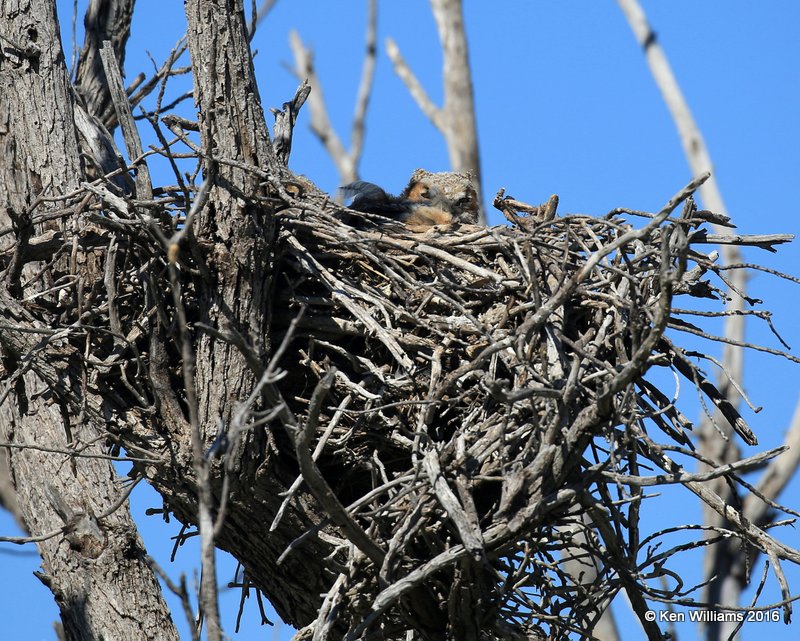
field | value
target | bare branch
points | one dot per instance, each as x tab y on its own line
694	146
320	122
346	162
259	15
209	600
415	88
302	441
717	561
285	120
455	119
365	85
106	21
144	186
778	474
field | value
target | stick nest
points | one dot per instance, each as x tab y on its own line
481	403
472	414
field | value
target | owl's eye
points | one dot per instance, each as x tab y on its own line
425	193
464	200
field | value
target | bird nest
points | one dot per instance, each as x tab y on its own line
469	409
482	407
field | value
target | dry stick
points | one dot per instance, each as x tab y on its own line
327	612
166	70
316	454
756	595
285	119
558	298
66	529
616	551
79	454
753	533
435	252
205	521
144	186
745	465
777	475
335	286
180	591
725	407
200	200
470	532
738	343
315	481
763	241
493	538
784	585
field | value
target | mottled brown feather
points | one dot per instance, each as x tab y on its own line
429	200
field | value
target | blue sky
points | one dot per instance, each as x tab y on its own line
565	105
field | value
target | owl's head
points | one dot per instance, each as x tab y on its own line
450	190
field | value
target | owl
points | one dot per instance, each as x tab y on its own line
429	200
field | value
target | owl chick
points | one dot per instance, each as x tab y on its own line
429	200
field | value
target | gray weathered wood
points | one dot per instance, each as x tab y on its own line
94	560
104	21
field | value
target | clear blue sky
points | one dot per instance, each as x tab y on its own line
565	105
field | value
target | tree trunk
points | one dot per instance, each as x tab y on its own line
92	557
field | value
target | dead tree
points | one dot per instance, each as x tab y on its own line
725	566
394	433
455	119
346	161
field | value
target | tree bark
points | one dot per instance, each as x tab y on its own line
93	561
232	128
236	238
104	20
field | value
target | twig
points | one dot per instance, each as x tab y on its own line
208	582
317	484
418	93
